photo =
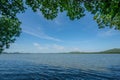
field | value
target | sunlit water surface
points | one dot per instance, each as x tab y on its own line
59	67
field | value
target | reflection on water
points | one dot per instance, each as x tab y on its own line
23	67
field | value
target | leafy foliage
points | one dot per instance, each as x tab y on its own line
50	8
106	13
9	23
9	29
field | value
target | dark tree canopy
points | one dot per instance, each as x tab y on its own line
106	14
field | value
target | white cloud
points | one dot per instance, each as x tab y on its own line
38	46
48	47
41	48
54	48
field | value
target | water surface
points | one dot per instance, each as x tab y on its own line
59	67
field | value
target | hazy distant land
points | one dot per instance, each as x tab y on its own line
110	51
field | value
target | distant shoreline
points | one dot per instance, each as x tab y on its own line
70	53
94	53
110	51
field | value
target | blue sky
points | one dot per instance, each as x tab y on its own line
62	35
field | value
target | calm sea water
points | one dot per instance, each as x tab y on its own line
59	67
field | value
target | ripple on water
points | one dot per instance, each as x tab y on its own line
18	70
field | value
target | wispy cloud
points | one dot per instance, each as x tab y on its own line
42	36
39	33
59	20
106	33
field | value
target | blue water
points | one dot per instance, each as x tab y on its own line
59	67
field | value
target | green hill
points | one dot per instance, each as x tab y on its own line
115	50
110	51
